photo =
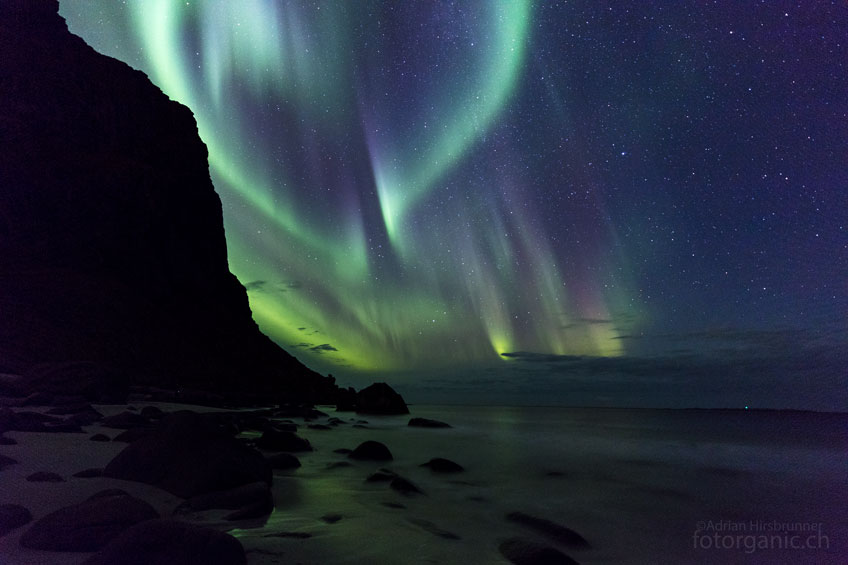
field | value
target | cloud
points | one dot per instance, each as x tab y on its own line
253	286
586	322
294	285
323	347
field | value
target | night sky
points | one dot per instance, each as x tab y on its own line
569	202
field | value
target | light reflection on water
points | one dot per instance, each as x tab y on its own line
633	482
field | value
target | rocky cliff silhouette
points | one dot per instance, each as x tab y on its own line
112	246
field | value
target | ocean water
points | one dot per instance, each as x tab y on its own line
642	486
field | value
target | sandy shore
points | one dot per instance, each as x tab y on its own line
636	501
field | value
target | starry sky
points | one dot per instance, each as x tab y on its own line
641	203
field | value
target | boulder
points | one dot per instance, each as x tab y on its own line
440	465
186	456
170	542
89	525
404	486
89	473
283	461
152	412
239	497
13	516
6	461
525	552
276	440
371	451
125	420
380	398
549	529
427	423
45	477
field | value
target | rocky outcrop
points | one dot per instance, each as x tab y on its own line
187	456
112	248
380	398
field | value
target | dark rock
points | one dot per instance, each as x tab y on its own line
282	427
132	434
335	421
108	221
26	421
371	451
381	476
552	530
380	398
440	465
331	518
84	417
427	423
89	473
45	477
346	400
319	427
38	398
100	437
258	509
275	440
109	492
432	528
524	552
125	420
8	440
89	525
283	461
170	542
186	456
249	501
404	486
72	408
6	461
152	412
338	465
295	535
13	516
343	451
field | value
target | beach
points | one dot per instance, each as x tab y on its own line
695	486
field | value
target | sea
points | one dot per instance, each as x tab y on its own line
640	485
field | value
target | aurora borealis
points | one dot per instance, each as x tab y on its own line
421	185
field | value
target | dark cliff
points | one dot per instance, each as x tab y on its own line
112	244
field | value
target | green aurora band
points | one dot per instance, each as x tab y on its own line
368	205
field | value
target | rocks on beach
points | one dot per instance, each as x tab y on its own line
549	529
187	456
371	451
170	542
89	525
45	477
441	465
276	440
13	516
525	552
427	423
